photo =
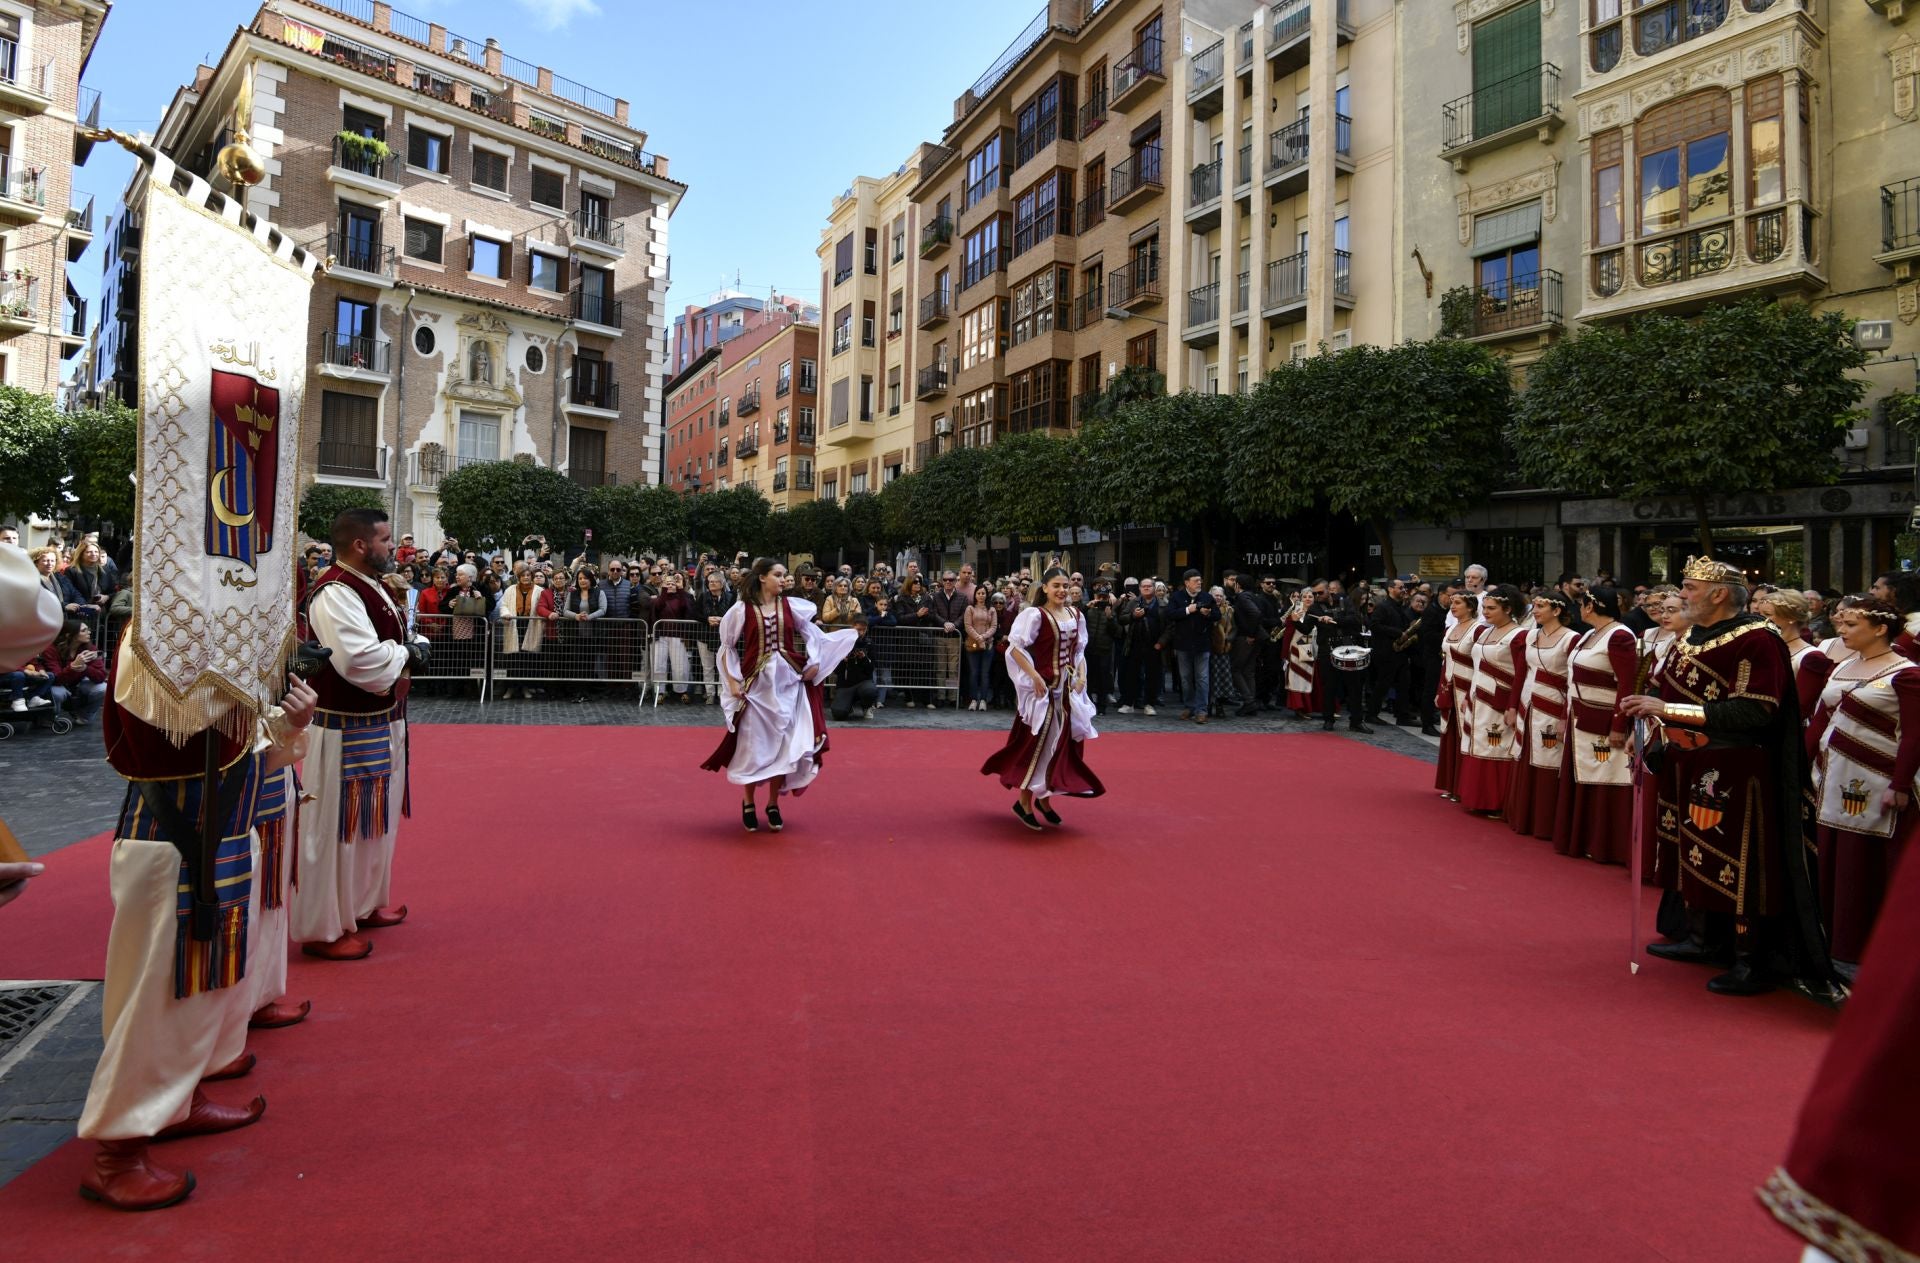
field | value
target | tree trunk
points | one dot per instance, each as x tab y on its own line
1706	531
1382	531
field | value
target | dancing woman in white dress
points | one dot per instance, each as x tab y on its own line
771	660
1047	658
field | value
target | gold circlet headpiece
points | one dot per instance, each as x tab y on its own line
1707	570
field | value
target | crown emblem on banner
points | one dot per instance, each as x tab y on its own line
1707	570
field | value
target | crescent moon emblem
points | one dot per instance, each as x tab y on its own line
226	516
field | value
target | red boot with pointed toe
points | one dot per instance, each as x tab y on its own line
241	1065
279	1013
123	1179
346	947
382	918
206	1117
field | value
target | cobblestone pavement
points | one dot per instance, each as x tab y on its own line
59	790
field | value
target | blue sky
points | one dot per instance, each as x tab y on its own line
733	93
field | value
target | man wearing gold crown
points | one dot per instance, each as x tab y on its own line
1729	778
356	767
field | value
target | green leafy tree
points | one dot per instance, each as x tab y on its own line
865	519
33	457
499	503
1377	432
101	447
325	501
820	528
897	510
729	521
631	518
1159	460
1029	484
1133	384
1746	397
946	505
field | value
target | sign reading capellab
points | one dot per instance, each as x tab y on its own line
1799	505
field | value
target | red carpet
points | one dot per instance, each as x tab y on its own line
1269	1000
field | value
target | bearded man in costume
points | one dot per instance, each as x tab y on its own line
1730	776
356	766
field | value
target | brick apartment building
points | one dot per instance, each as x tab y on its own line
44	48
744	414
499	246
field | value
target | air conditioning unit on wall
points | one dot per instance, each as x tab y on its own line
1891	9
943	425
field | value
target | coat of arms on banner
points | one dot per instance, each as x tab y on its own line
223	346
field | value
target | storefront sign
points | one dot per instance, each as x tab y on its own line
1278	555
1799	504
1440	566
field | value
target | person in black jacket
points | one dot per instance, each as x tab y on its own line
853	686
1272	667
1392	671
1336	623
1191	614
1249	623
1427	653
1137	624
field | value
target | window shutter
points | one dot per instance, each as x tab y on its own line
1506	49
1504	229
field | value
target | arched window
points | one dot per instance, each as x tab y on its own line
480	364
1607	35
1684	179
1664	23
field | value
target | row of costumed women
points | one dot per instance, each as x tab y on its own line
1534	733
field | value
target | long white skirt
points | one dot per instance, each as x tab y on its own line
340	882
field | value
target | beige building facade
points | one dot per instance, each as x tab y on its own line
768	385
875	318
44	48
498	237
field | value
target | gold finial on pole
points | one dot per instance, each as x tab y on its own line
237	160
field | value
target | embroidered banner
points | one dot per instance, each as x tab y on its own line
223	351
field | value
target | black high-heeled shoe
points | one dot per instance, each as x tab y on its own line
773	818
748	818
1046	813
1026	818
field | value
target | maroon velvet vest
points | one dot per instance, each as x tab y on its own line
1045	650
335	693
753	646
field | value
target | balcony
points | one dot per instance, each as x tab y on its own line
1289	45
129	238
23	195
1203	196
1137	75
1135	181
1090	308
1243	170
1900	228
1523	305
1136	285
783	387
802	480
342	459
803	436
351	257
1093	113
365	163
354	356
750	400
980	268
73	323
86	110
598	310
593	386
934	310
25	86
597	232
932	381
1203	316
1771	250
126	296
19	302
1207	72
936	237
1527	104
1091	212
749	444
79	229
843	340
1241	285
1290	148
1287	294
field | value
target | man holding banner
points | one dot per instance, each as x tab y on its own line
356	767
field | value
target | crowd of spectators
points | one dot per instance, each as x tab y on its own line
68	679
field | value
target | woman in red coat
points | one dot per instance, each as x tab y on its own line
79	671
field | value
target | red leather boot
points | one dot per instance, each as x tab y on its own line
206	1117
346	947
279	1013
381	918
234	1069
123	1179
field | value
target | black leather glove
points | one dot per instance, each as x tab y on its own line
418	652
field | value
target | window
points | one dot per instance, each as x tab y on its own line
427	150
1607	190
1038	212
726	409
1608	36
1685	173
1506	69
362	123
479	439
490	170
1040	303
1040	396
353	330
596	213
896	313
899	238
489	257
1662	25
838	395
843	330
866	398
349	434
983	172
1142	352
360	238
893	391
423	340
1766	171
873	252
424	239
866	324
550	188
1038	123
536	360
985	252
888	473
1506	251
809	377
544	271
587	455
857	482
843	259
1147	40
783	380
593	296
804	419
1094	112
982	333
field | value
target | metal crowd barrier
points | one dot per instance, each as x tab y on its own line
567	651
462	652
680	659
923	663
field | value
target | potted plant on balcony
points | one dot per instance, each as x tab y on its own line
367	148
1458	307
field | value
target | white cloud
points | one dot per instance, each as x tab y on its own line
555	14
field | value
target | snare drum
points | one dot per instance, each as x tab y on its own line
1352	658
